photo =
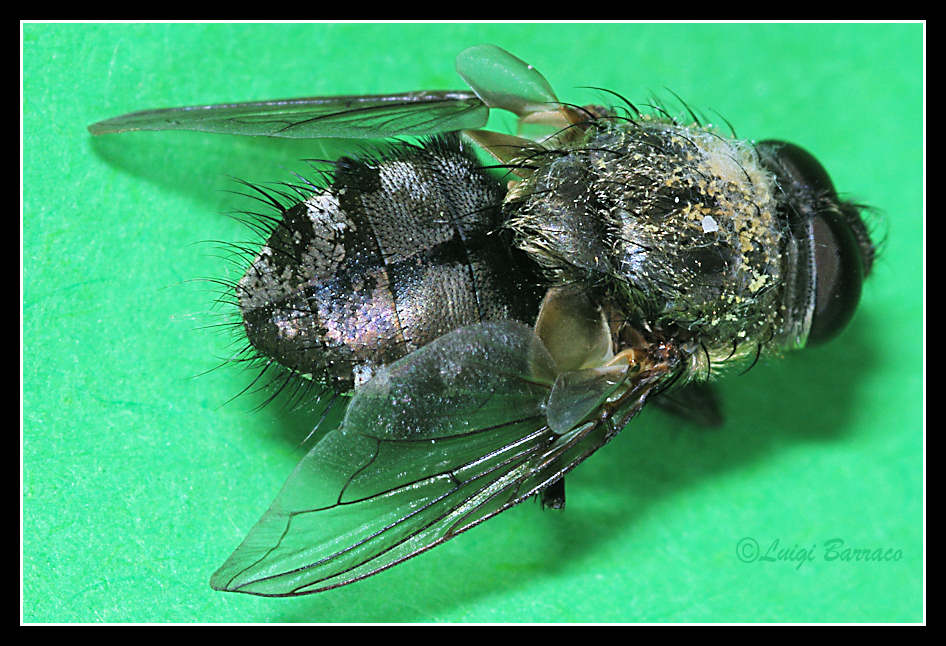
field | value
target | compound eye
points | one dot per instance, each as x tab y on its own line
802	167
839	275
838	263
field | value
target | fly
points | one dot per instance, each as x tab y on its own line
492	333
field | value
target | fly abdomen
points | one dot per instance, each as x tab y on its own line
397	251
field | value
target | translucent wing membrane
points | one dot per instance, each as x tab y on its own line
435	443
370	116
498	80
503	81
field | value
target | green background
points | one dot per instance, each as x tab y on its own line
140	476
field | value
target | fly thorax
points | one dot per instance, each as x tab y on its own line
678	225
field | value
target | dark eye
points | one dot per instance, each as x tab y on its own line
832	229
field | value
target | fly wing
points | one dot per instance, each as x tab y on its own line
503	81
497	78
432	445
357	117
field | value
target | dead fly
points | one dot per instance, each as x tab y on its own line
493	333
